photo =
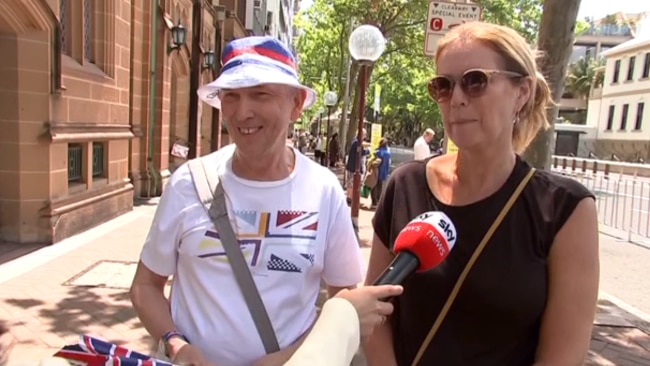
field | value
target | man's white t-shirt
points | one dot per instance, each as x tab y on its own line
293	232
421	149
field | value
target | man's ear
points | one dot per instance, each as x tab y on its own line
298	101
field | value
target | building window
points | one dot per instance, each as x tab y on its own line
626	108
99	160
75	163
646	66
617	69
88	31
639	116
610	118
630	68
64	19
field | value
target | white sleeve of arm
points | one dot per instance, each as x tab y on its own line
343	263
160	250
334	339
420	151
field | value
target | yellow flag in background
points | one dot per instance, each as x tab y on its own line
450	147
375	136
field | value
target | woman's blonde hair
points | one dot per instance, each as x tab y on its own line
518	57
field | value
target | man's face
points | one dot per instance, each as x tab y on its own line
257	118
428	137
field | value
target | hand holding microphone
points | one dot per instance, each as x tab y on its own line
422	245
371	310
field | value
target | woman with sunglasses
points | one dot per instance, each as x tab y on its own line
530	296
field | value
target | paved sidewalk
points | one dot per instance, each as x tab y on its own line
80	286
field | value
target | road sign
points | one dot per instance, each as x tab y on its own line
443	16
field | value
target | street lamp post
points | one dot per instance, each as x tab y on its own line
366	45
321	110
330	100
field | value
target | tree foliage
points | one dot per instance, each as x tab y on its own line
403	70
581	76
556	37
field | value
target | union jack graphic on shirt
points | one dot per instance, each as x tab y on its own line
261	232
294	224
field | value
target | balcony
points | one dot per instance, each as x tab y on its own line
607	35
572	104
609	30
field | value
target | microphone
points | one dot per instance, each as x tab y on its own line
422	245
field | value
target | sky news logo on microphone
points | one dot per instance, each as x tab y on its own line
431	236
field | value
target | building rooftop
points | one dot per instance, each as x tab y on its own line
641	40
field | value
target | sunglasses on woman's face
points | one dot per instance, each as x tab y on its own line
473	83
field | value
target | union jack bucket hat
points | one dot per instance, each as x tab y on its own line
253	61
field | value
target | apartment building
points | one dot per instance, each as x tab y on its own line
601	36
271	17
94	97
578	137
620	110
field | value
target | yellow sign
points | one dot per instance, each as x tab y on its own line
375	136
450	147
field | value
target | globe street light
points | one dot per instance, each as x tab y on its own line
366	45
330	100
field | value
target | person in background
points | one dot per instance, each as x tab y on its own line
421	148
319	154
352	160
530	298
334	150
383	171
302	141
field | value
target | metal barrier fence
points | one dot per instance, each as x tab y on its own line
623	199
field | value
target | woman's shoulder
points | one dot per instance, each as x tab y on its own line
556	196
409	170
546	181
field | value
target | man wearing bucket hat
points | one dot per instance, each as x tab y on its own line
289	213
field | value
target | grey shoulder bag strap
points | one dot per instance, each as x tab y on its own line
210	191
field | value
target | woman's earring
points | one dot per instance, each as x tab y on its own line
516	119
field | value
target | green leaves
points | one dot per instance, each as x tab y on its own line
403	71
581	76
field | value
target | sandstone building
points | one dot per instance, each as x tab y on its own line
93	96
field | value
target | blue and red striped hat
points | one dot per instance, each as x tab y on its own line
253	61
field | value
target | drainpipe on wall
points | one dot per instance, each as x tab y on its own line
195	80
153	55
215	140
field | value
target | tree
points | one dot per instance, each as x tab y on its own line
406	106
556	36
582	26
581	76
402	70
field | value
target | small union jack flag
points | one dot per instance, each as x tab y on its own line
91	351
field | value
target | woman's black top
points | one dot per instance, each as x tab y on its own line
496	317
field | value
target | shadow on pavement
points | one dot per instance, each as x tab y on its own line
99	312
618	338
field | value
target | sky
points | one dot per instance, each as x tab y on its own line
593	8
